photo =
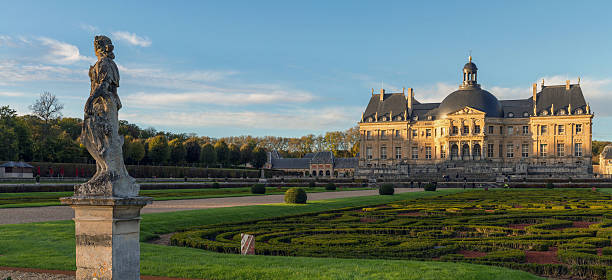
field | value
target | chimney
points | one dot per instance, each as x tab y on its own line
535	99
361	117
567	84
409	100
372	92
382	94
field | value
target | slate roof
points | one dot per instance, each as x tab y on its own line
319	157
20	164
346	162
479	99
561	98
607	152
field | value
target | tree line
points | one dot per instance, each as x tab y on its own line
46	136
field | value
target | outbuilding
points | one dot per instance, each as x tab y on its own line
13	169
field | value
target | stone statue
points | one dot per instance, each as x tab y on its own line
100	133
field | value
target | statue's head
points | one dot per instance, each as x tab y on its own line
104	46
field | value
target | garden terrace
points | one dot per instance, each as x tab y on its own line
554	233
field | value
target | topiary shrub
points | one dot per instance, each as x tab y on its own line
430	187
295	196
386	189
550	185
258	189
330	187
215	185
312	184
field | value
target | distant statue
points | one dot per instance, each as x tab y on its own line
100	133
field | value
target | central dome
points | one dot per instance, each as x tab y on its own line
474	97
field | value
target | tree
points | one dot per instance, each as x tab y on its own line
246	152
9	148
259	157
208	155
159	151
137	151
193	150
47	107
222	152
72	126
177	151
234	154
126	128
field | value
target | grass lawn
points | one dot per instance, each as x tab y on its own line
51	246
37	199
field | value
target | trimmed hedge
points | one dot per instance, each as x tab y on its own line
295	196
330	187
386	189
430	187
258	189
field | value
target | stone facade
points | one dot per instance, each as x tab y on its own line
605	161
319	164
472	132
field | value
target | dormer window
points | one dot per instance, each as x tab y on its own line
415	118
510	115
525	114
562	111
429	118
579	111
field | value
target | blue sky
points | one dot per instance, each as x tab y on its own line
290	68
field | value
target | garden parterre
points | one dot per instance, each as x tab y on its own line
555	233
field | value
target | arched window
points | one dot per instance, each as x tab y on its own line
465	151
320	172
327	173
454	151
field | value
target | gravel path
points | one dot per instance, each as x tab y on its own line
56	213
34	274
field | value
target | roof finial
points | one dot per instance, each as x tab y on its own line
470	56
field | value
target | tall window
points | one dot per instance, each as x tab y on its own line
383	152
525	130
398	152
442	131
543	150
428	152
560	149
477	129
501	150
383	133
578	149
510	151
442	151
397	133
561	129
491	129
428	132
578	128
510	130
525	150
369	152
415	133
501	130
455	130
369	135
415	152
490	150
543	129
466	129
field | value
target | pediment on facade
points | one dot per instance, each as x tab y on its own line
467	111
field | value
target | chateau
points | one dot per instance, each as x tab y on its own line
472	132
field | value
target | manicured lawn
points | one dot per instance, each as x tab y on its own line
51	246
547	232
36	199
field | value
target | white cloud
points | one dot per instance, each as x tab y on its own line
315	119
11	94
220	97
163	76
61	52
132	38
89	28
12	72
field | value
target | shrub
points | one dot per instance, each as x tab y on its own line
312	184
430	187
550	185
330	187
386	189
295	195
258	189
215	185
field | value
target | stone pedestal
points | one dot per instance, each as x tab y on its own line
107	231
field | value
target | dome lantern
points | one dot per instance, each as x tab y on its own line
470	74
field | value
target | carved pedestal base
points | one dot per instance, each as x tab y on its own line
107	231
